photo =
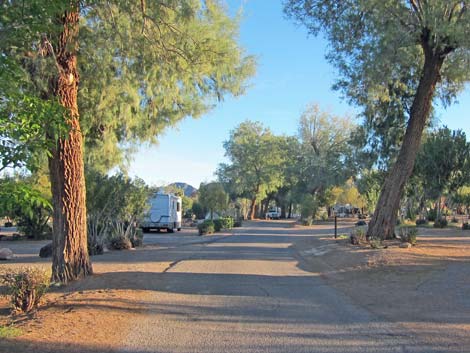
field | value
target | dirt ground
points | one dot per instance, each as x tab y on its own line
93	315
413	286
426	284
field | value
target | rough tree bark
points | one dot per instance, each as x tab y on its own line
382	224
70	255
252	214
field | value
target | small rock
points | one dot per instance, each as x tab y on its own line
405	245
46	251
6	254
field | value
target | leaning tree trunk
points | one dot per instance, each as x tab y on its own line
382	224
70	259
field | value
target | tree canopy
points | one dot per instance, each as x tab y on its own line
143	67
393	59
256	158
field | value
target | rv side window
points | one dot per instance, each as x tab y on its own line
177	207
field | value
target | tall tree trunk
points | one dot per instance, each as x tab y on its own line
253	208
70	259
382	224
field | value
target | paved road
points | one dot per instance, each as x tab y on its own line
246	293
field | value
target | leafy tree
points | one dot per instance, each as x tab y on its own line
213	197
369	184
393	57
142	66
198	210
24	203
462	198
350	195
256	158
443	163
324	149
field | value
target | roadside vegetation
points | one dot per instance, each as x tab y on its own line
395	168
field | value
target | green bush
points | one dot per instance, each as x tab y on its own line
206	227
440	223
25	287
227	222
217	225
466	226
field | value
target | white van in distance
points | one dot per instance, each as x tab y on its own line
164	213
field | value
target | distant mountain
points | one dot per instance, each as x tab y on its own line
189	190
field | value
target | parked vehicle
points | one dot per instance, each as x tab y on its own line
274	213
165	213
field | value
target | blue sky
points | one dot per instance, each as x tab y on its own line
291	74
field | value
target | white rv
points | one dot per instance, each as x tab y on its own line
165	213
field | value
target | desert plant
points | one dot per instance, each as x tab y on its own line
25	287
138	238
206	227
408	235
120	242
375	243
440	223
307	221
432	215
421	221
114	204
358	236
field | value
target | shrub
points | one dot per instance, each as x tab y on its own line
26	287
307	221
361	223
217	225
466	226
421	221
357	236
120	242
432	215
375	243
206	227
138	238
227	222
408	235
238	223
440	223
